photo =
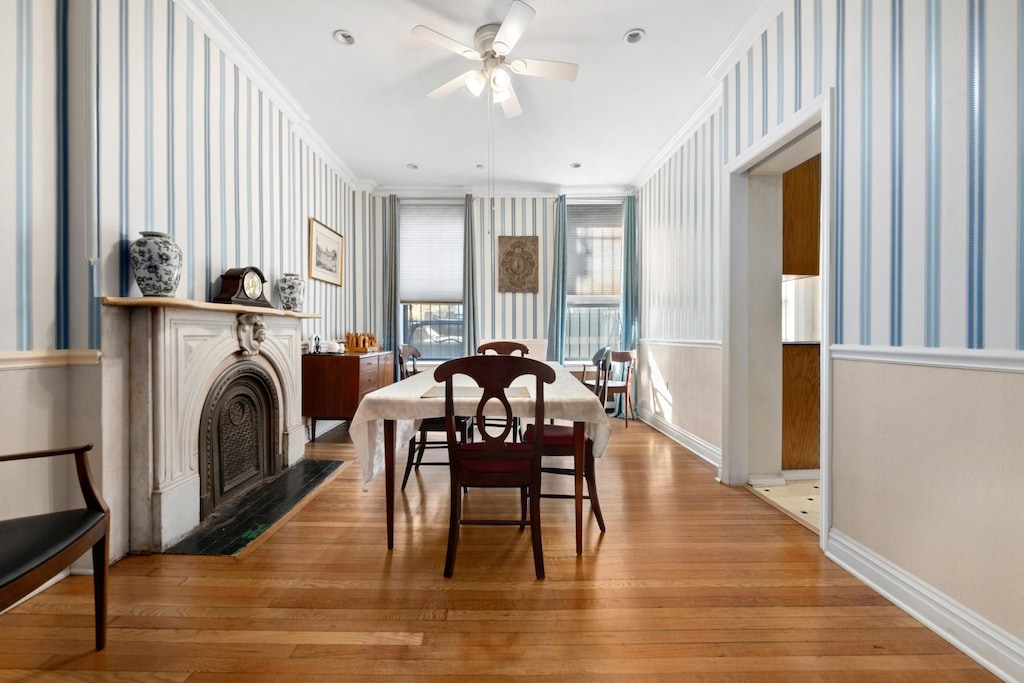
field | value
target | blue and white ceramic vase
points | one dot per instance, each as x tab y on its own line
156	264
292	289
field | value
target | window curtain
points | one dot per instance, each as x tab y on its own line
556	318
630	274
470	331
391	260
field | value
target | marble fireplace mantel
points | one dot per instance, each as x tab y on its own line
176	350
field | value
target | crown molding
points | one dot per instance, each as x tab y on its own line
213	24
696	120
743	38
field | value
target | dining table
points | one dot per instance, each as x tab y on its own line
391	415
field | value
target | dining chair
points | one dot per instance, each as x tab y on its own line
503	348
558	442
421	441
493	461
601	365
622	364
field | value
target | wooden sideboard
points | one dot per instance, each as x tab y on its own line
333	384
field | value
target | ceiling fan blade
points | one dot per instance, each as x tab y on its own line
516	21
446	42
562	71
451	86
510	105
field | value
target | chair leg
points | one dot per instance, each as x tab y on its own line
595	503
408	462
422	447
100	553
522	508
453	530
538	549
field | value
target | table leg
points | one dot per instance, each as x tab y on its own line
579	442
389	478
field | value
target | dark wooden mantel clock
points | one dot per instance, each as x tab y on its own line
244	286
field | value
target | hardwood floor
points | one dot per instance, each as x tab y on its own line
693	581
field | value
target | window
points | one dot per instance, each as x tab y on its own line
430	276
593	278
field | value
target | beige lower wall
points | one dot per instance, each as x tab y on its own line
34	414
682	385
927	472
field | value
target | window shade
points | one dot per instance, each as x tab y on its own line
593	251
431	240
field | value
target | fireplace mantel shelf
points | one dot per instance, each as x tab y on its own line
172	302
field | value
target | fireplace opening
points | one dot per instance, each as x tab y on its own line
237	441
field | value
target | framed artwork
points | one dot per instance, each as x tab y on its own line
518	264
326	253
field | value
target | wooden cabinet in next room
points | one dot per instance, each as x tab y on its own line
333	384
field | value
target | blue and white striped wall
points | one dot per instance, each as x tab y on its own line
929	228
504	315
679	212
188	143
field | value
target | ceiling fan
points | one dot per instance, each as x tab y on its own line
492	45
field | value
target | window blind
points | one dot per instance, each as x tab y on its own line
431	240
593	252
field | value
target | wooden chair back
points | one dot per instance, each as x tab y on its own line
503	348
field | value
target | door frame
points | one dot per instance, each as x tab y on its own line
737	313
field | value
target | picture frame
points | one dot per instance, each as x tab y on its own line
326	253
518	261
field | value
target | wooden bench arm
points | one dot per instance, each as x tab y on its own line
93	499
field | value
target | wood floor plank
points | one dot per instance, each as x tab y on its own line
692	581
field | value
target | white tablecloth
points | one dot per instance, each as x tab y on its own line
565	399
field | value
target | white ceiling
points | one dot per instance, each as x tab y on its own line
368	101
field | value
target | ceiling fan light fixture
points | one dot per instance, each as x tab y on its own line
499	81
475	82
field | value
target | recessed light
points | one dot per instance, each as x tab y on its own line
575	164
412	167
344	37
634	35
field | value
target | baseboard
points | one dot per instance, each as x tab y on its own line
991	646
701	448
324	426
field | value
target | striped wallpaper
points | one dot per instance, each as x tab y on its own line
187	144
930	141
680	232
504	315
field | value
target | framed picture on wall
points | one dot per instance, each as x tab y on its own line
518	264
326	253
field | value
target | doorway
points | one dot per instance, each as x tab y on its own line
752	335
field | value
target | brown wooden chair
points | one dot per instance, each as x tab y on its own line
494	462
419	444
558	442
503	348
38	547
622	364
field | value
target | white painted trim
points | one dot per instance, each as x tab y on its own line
760	480
744	36
212	23
27	360
963	359
986	643
701	448
801	475
695	343
692	124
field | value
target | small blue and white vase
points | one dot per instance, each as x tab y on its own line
292	289
156	264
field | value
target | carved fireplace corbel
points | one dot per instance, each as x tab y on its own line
251	331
